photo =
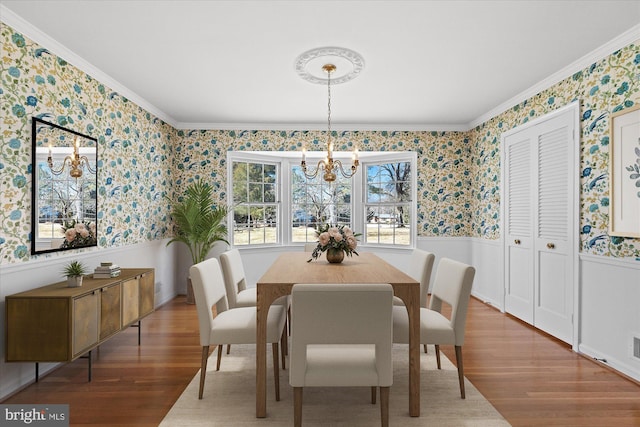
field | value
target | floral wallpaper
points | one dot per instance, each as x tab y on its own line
606	86
143	162
134	147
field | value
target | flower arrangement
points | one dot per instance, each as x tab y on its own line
78	234
335	237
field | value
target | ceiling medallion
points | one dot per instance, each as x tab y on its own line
348	64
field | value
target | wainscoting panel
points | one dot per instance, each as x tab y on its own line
609	311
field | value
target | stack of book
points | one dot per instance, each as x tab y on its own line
106	270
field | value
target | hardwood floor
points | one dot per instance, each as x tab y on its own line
532	379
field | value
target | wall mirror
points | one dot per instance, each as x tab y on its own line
64	188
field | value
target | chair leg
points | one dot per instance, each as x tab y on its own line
373	395
297	407
460	370
276	372
289	320
219	357
438	355
228	348
203	369
384	406
284	347
425	348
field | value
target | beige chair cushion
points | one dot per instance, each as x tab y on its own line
341	365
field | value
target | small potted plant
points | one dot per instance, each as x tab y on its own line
74	272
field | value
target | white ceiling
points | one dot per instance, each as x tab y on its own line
230	64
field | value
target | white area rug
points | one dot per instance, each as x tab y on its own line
229	398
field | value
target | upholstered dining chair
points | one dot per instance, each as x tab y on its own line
238	294
229	326
310	246
420	267
341	335
452	285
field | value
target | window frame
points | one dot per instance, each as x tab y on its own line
284	161
254	157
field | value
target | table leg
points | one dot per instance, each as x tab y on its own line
411	299
264	299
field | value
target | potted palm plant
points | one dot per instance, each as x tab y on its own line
198	224
74	271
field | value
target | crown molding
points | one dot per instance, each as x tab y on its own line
580	64
8	17
323	127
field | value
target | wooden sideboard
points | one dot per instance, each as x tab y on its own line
56	323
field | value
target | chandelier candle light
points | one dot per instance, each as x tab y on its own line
330	166
75	162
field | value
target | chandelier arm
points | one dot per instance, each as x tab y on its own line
87	163
64	163
354	166
316	170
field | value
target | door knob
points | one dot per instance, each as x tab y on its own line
551	245
517	241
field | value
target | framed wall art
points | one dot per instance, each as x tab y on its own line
624	174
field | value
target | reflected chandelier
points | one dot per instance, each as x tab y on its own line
75	162
353	63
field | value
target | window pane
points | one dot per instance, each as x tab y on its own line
241	225
255	172
239	182
269	193
270	173
255	193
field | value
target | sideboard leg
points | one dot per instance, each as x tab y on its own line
37	375
89	355
139	326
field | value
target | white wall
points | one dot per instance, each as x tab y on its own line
45	270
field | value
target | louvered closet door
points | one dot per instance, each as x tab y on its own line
540	246
519	226
554	229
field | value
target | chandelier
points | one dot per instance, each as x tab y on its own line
75	162
312	66
329	165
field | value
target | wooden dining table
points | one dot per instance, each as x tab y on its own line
292	267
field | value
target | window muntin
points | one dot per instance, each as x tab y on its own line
255	209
